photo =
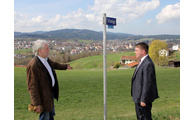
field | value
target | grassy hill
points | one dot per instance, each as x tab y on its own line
96	62
86	35
72	34
81	94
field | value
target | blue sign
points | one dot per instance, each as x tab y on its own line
110	26
111	21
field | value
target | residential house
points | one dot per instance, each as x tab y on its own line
130	46
164	52
128	59
126	46
132	65
74	51
175	47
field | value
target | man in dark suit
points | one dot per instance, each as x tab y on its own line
42	80
143	84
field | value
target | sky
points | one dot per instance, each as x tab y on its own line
145	17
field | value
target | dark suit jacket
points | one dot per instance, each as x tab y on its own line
40	84
143	86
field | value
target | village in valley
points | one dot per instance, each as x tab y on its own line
94	47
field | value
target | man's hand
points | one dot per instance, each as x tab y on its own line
38	109
143	104
69	67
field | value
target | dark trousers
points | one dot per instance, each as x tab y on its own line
143	113
48	115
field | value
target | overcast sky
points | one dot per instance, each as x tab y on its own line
145	17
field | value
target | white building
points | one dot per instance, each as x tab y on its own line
164	53
175	47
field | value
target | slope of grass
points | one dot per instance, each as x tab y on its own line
96	62
81	95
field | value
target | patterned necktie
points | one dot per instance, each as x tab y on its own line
138	65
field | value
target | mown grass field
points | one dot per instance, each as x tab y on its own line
96	62
81	95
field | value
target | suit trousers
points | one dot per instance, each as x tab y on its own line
48	115
143	113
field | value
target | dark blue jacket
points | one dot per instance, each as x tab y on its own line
143	83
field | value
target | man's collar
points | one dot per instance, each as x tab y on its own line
143	57
43	59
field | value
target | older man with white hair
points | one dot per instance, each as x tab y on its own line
42	80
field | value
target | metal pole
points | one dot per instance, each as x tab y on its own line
104	67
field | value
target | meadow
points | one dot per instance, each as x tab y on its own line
96	62
81	94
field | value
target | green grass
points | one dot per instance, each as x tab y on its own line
22	51
81	95
96	62
175	56
86	41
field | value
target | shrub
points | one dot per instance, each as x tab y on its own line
116	65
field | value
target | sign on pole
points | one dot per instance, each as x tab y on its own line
111	22
104	67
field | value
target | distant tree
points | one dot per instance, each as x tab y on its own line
66	57
116	65
163	60
154	49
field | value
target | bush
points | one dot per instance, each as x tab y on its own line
116	65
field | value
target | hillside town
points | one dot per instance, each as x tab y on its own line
76	47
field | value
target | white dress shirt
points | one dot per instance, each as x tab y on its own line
44	61
143	59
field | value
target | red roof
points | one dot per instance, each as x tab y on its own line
129	58
133	64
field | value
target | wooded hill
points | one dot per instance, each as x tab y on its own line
85	34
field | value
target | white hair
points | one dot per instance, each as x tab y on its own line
39	44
